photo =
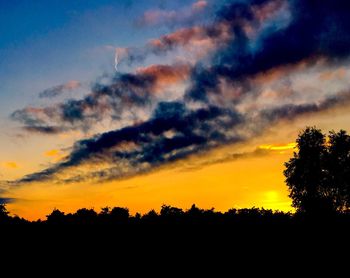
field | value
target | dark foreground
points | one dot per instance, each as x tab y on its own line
205	242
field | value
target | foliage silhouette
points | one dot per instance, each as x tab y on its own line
172	217
338	169
4	214
318	174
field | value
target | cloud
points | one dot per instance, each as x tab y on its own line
49	130
129	90
172	18
265	56
198	40
290	111
166	75
38	120
10	165
60	89
338	74
54	155
278	147
124	90
199	5
173	132
228	157
4	201
202	39
315	30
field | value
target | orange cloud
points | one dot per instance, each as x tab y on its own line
278	72
333	74
73	84
199	5
197	39
265	12
154	16
278	147
171	17
54	154
165	74
181	37
10	165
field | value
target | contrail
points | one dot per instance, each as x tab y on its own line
116	60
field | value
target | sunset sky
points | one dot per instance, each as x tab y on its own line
139	103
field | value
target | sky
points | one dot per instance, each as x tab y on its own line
142	103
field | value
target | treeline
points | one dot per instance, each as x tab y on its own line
169	215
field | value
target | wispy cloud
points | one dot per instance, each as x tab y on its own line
5	201
172	18
278	147
54	154
60	89
112	100
10	165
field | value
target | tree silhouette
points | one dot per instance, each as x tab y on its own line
318	174
4	214
119	215
85	216
56	217
338	169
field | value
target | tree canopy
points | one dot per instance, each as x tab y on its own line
318	174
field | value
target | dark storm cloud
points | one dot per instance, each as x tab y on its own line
172	133
317	28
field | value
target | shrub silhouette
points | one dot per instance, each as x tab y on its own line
318	173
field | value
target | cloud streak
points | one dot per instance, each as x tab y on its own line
60	89
173	132
4	201
112	100
172	18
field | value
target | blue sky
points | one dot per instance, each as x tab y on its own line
43	43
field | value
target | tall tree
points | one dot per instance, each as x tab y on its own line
318	175
305	175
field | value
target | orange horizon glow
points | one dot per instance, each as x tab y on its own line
220	185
